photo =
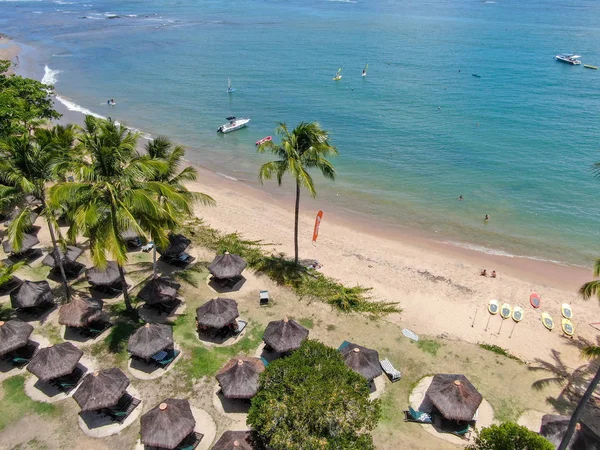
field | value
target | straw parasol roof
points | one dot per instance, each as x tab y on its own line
159	290
284	335
55	361
104	277
101	389
239	377
362	360
454	396
217	313
14	334
167	424
31	294
71	254
177	245
80	313
227	266
150	339
233	440
29	241
587	431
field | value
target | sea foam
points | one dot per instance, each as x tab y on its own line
50	76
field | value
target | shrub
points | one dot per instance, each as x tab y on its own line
509	436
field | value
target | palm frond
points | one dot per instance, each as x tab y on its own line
18	228
590	289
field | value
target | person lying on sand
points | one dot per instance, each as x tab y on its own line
484	273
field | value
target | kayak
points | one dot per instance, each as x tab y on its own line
567	327
505	311
517	314
566	311
535	300
587	66
263	140
493	307
547	321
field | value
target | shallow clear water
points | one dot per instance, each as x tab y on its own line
417	132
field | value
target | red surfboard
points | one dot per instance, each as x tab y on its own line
535	300
317	224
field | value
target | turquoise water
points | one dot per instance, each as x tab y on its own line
417	132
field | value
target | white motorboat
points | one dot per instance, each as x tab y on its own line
234	124
568	58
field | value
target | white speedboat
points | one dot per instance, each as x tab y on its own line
568	58
234	124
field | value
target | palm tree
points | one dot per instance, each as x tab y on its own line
162	148
27	165
113	193
305	148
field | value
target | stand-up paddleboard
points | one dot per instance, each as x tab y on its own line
547	321
338	75
568	328
517	314
505	311
410	334
566	311
535	300
493	307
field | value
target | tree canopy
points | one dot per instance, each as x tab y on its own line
24	102
509	436
312	400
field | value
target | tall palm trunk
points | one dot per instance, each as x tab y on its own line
297	211
578	410
154	261
126	297
58	259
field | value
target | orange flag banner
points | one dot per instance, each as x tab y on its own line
317	224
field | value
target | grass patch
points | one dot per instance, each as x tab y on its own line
507	410
429	346
16	404
307	283
116	341
52	333
331	327
500	351
306	322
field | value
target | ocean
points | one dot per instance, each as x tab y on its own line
517	142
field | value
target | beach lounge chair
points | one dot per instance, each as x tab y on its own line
264	298
95	329
168	359
67	383
265	362
393	374
190	442
462	433
344	345
149	246
413	415
241	325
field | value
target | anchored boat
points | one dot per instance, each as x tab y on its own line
234	124
568	58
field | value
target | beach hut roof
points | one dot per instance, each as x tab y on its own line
234	440
167	424
29	241
239	377
227	266
177	245
101	389
454	396
150	339
587	432
71	254
80	312
362	360
217	313
159	290
285	335
14	334
109	276
31	294
54	361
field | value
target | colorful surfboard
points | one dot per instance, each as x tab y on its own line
568	328
505	310
535	300
493	307
547	321
517	314
566	311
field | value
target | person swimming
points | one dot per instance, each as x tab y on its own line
487	218
460	197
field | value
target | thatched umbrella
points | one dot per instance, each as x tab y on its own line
587	431
71	254
29	241
14	334
167	424
177	245
227	266
362	360
55	361
217	313
150	339
101	389
159	290
80	313
284	335
233	440
454	396
108	276
239	377
31	294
